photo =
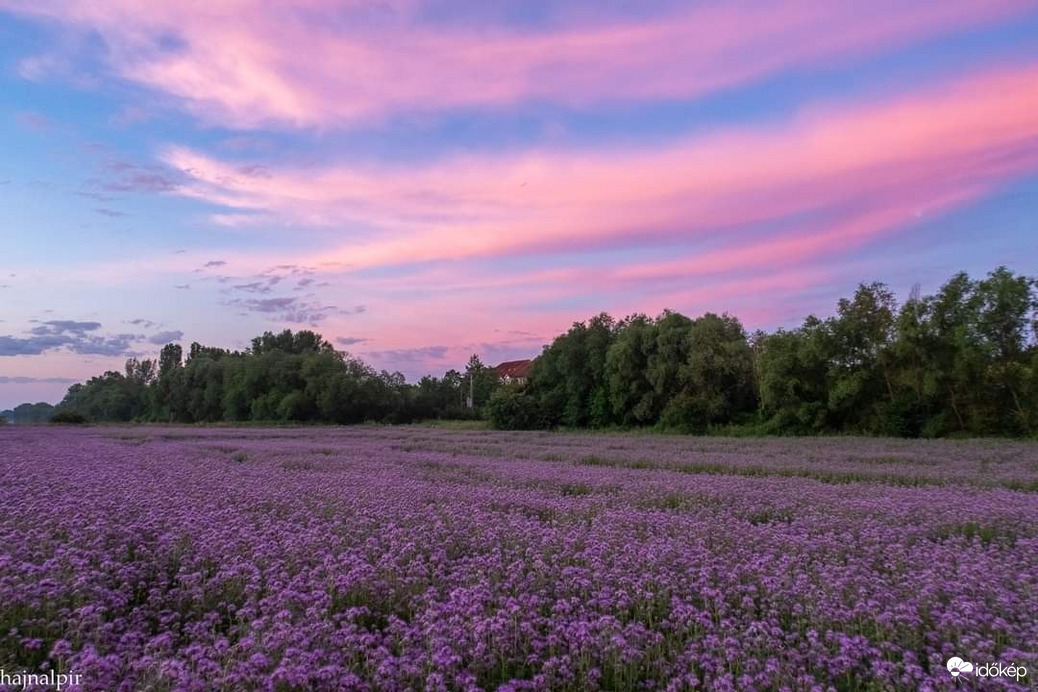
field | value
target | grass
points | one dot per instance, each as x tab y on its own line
443	424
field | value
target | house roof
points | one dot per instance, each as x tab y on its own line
514	368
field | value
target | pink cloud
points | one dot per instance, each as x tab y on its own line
867	169
247	63
832	181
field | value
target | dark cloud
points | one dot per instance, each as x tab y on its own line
255	170
182	287
513	349
116	345
288	270
35	380
254	287
124	176
104	211
71	334
517	332
268	305
215	263
306	308
143	181
410	355
32	345
141	322
289	309
96	196
55	327
262	284
163	338
350	340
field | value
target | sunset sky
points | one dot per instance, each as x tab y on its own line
420	180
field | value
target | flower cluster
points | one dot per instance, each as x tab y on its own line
415	558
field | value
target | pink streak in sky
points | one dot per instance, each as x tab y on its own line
246	63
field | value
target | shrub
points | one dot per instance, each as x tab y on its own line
67	417
512	410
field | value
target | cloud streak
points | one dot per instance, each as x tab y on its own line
863	168
323	64
4	379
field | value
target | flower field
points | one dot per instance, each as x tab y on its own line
399	558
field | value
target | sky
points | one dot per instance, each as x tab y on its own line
419	180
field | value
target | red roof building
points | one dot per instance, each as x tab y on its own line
514	370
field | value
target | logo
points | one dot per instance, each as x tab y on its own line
956	666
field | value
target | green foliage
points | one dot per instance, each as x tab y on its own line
960	362
29	413
569	378
677	373
114	396
479	382
66	417
963	362
285	377
511	409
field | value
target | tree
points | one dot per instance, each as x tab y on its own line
860	373
961	361
39	412
512	409
672	348
632	398
716	378
480	382
794	386
569	377
168	392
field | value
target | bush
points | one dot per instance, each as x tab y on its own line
512	410
68	417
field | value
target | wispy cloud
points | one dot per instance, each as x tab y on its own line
421	354
876	166
55	327
75	336
4	379
162	338
248	63
293	309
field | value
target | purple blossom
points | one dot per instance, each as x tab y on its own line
414	558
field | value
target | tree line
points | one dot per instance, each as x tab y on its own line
963	361
286	377
40	412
